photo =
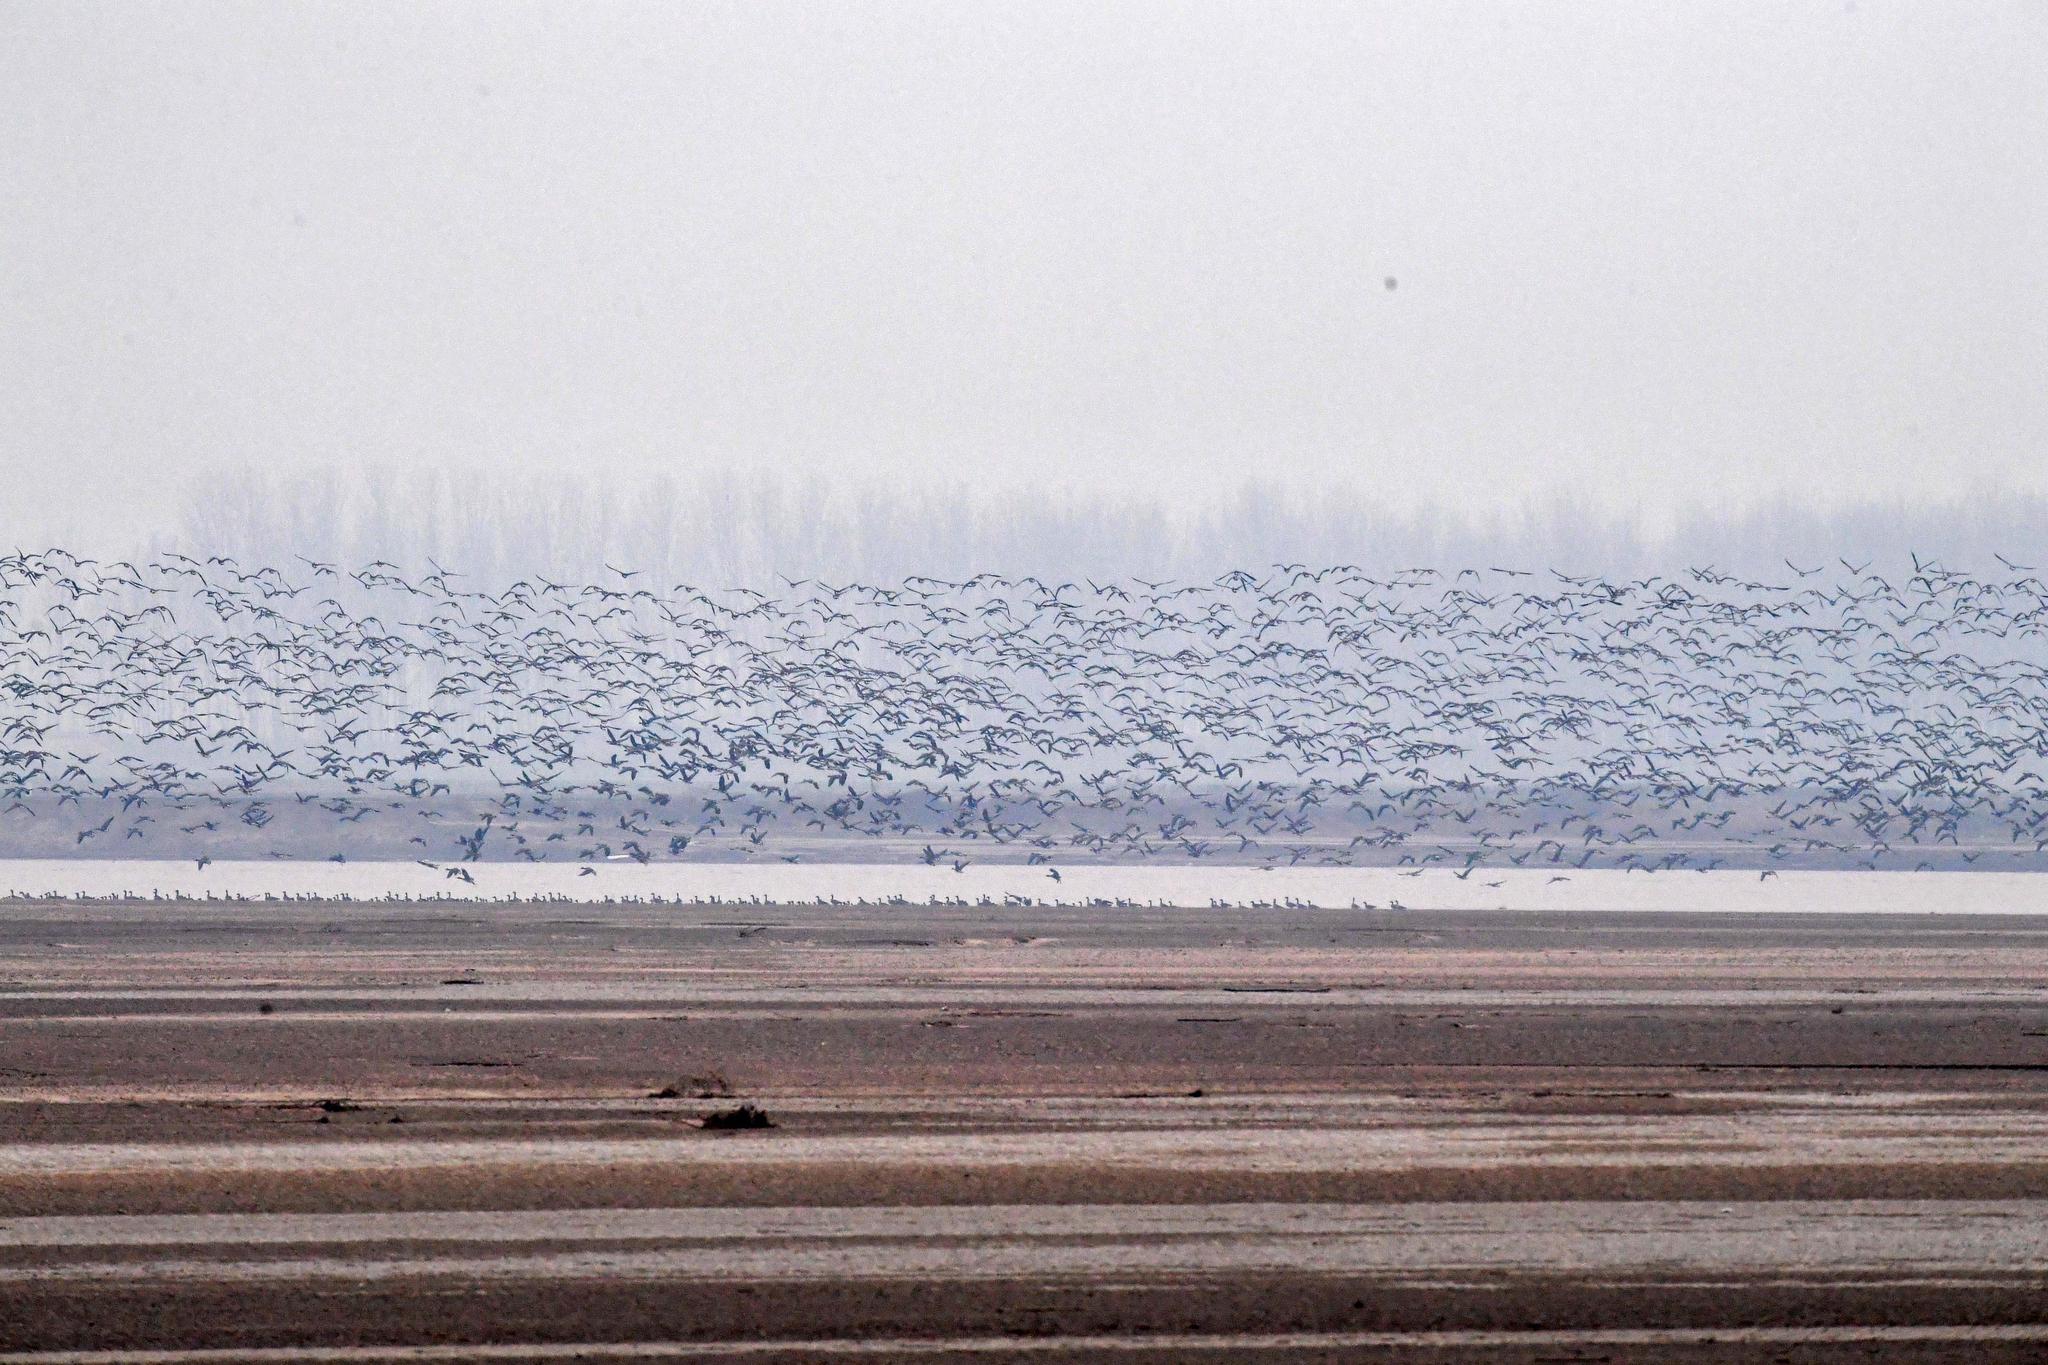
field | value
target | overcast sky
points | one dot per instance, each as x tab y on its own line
1660	251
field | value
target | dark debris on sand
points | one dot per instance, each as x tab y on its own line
737	1119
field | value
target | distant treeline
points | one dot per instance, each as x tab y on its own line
735	531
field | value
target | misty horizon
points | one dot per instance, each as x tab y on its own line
738	531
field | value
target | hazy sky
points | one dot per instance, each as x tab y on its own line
1663	251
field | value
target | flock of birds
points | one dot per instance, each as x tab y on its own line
1835	715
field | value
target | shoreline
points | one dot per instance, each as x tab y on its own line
1080	887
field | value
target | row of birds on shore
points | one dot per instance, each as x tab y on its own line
1829	715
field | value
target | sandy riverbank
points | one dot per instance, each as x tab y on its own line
318	1129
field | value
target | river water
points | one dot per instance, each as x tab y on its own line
1792	891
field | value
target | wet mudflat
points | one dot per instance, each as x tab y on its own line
333	1131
